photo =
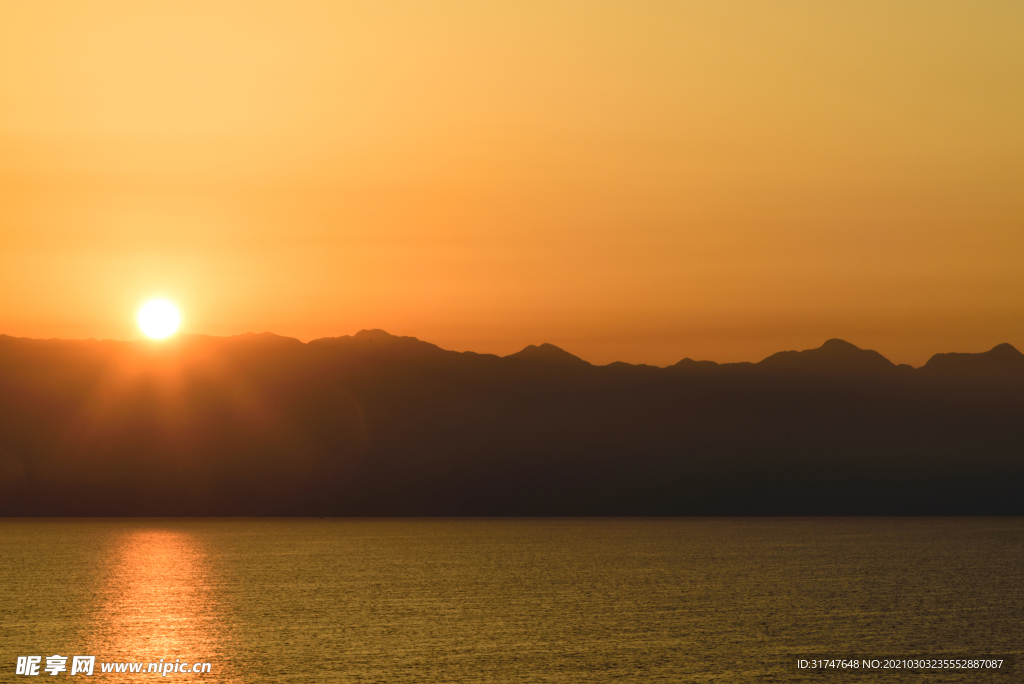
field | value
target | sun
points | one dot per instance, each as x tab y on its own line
158	319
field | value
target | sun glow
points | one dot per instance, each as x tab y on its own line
158	319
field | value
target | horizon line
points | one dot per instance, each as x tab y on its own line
362	332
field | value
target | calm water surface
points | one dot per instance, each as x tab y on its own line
500	600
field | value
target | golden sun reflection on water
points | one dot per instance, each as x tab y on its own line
158	602
559	601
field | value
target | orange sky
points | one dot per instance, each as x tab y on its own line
636	181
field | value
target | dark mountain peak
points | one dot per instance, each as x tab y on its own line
548	353
379	344
382	339
834	356
1005	351
374	337
689	364
838	346
377	335
1000	359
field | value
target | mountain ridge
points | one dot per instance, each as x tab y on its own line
375	424
833	355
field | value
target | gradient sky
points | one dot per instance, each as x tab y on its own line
636	181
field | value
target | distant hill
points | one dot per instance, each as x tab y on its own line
546	353
374	424
835	356
1001	362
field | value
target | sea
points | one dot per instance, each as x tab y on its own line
587	600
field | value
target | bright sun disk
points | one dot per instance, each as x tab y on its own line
159	319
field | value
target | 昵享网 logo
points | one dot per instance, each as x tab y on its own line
32	666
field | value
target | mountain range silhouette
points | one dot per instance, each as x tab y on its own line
375	424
